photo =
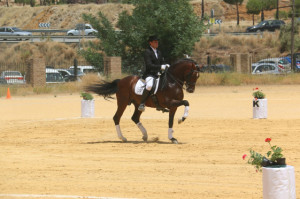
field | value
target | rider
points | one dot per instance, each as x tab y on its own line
154	63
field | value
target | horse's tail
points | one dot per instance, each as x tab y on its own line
105	89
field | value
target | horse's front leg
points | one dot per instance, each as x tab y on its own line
171	122
186	111
174	104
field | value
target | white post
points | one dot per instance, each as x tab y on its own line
260	108
87	108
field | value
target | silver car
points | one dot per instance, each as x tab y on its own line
266	68
13	31
281	62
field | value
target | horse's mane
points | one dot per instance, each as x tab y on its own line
184	60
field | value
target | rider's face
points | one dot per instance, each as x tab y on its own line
154	44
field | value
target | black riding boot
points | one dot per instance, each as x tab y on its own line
144	98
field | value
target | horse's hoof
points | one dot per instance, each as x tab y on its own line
181	120
123	139
174	141
145	138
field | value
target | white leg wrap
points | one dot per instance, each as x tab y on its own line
141	127
170	133
186	111
120	133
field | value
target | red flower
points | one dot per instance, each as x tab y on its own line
268	140
244	156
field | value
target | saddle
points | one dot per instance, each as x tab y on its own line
140	86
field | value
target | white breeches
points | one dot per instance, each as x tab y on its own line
149	83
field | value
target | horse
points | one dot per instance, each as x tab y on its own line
169	95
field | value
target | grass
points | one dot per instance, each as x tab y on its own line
206	79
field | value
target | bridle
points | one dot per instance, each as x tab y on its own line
187	82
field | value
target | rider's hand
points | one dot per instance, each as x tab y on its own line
163	67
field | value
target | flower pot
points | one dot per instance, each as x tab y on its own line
266	162
87	108
260	108
280	161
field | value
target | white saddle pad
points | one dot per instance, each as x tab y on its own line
141	84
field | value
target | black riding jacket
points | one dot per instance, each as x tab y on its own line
152	64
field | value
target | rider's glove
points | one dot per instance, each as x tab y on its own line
163	67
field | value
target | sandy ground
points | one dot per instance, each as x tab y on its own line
46	148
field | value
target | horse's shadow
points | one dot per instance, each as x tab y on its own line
129	142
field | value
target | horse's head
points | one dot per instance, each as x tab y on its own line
188	72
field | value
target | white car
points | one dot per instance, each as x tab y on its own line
12	77
86	69
68	74
53	76
88	30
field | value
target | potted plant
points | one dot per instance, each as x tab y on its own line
258	94
87	105
274	154
87	96
260	105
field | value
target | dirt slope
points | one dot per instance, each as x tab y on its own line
66	16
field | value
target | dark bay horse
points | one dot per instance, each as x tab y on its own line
169	96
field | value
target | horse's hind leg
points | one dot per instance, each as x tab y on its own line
117	117
136	119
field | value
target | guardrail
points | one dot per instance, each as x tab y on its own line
75	39
48	30
39	38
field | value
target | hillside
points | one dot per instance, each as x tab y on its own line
66	16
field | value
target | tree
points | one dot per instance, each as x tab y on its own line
285	37
267	5
237	3
253	7
173	21
202	9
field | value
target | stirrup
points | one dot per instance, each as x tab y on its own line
141	107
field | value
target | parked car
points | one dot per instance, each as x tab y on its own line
11	77
53	76
13	31
89	30
281	62
68	74
266	68
86	69
270	25
297	56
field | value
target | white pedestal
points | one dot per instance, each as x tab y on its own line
260	108
279	183
87	108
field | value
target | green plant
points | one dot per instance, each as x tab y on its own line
275	151
86	96
258	160
258	94
255	159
